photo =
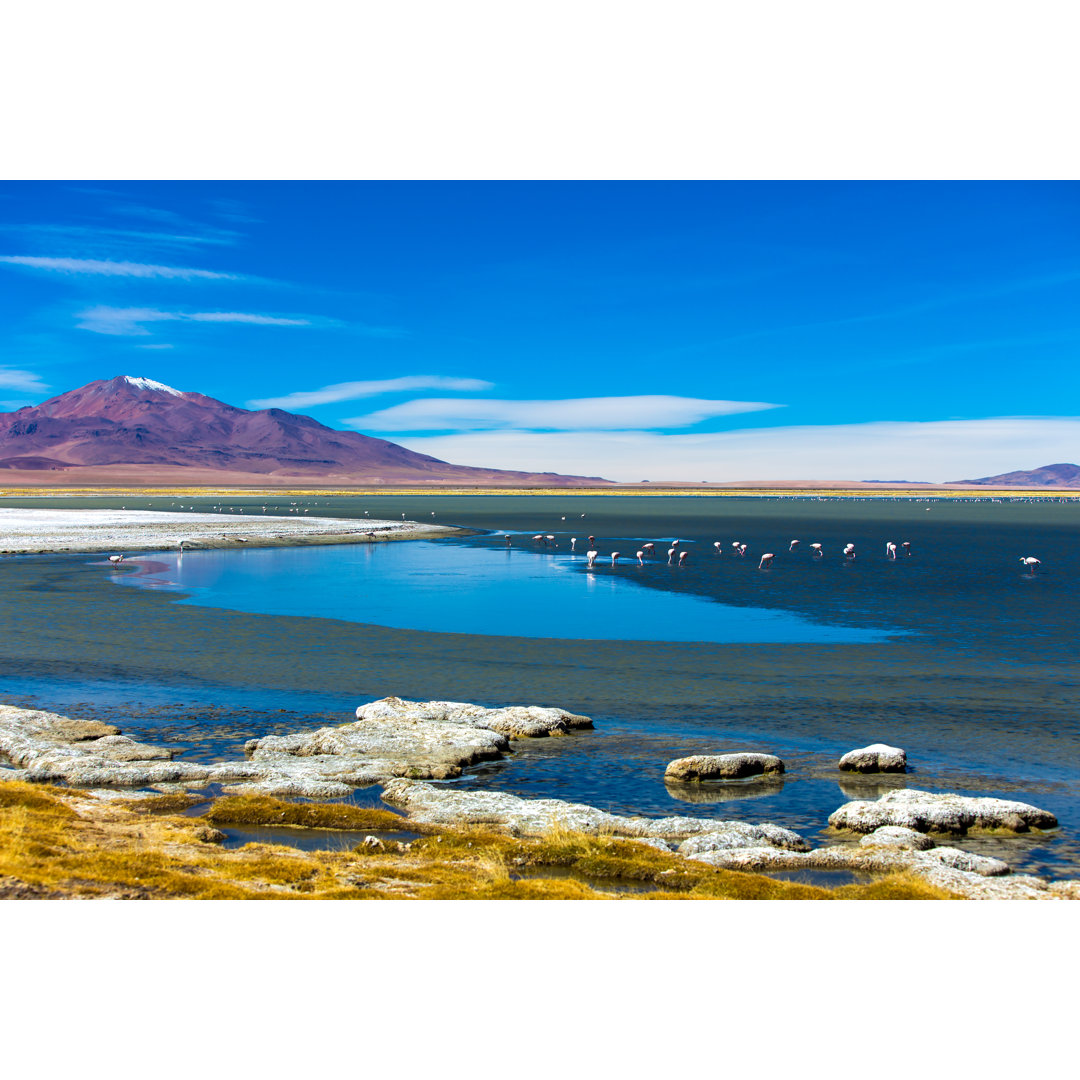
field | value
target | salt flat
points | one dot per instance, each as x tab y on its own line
47	531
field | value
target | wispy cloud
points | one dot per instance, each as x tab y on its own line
609	413
26	381
128	322
350	391
153	346
109	268
936	451
94	235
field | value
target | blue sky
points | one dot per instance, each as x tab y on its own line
637	330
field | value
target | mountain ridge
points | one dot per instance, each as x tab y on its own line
133	421
1063	474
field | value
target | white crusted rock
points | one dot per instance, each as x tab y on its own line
721	767
739	834
533	817
876	758
896	836
926	811
514	721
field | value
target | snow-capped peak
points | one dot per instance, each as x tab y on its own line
149	384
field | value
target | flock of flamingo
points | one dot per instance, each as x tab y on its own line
677	555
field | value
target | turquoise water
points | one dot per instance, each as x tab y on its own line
450	587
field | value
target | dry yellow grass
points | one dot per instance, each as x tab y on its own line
62	842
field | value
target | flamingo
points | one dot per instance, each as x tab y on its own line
793	545
890	549
640	560
614	557
682	557
1030	562
735	545
538	539
906	545
742	550
766	561
591	556
817	550
573	543
670	555
649	549
592	541
716	546
116	558
849	551
508	540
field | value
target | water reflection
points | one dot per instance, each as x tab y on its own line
724	791
871	787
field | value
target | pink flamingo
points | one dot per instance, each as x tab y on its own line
766	561
614	557
591	556
682	557
640	560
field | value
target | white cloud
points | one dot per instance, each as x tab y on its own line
109	268
128	321
477	414
26	381
350	391
937	451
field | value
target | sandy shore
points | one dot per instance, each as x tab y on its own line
121	531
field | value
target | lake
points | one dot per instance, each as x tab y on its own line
955	653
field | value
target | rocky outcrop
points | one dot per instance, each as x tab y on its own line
896	836
532	817
721	767
47	747
925	811
513	721
738	834
876	758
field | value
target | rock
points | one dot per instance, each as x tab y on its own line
960	872
207	835
925	811
721	767
655	842
373	842
896	836
513	721
533	817
380	750
877	758
49	747
737	834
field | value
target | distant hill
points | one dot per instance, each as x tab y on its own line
138	430
1062	475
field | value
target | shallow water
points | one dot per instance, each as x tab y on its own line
966	661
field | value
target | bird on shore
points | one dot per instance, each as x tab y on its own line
793	545
816	548
890	549
1030	562
849	551
766	561
591	556
116	558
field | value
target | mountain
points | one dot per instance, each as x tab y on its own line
1062	475
133	427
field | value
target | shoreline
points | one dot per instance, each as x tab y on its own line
59	532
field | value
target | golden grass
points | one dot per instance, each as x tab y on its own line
74	844
266	810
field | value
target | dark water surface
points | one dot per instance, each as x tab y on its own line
956	653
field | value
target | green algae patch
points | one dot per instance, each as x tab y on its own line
266	810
